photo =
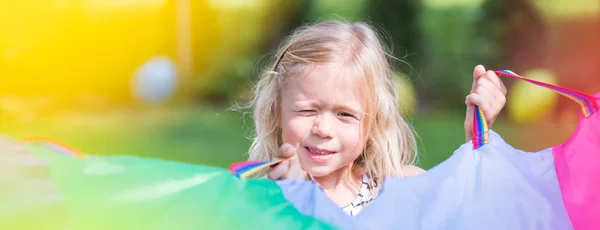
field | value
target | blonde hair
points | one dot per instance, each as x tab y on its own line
390	139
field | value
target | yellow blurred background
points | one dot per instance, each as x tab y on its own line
94	53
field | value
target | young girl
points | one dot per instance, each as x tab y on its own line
329	107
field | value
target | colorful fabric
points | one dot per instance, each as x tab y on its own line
485	184
127	192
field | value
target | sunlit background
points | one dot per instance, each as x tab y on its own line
158	78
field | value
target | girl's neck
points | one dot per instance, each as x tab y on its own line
341	186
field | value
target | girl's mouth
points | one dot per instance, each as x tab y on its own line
318	155
318	151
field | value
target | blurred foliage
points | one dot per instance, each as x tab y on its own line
455	38
350	10
397	21
447	49
438	46
490	35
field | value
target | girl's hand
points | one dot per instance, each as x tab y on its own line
489	93
290	168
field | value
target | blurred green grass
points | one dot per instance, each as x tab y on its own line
201	135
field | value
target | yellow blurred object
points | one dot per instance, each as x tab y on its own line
407	95
560	10
452	3
69	49
528	102
74	50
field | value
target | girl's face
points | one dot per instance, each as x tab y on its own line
322	114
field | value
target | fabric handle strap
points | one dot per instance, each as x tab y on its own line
588	103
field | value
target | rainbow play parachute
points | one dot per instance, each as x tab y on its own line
485	184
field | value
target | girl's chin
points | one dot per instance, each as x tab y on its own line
322	171
318	174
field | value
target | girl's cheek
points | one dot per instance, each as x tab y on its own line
353	135
298	124
352	128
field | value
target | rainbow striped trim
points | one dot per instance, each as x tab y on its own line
55	145
588	103
246	169
480	129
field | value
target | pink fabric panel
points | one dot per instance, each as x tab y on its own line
577	163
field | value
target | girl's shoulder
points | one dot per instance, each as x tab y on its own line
412	170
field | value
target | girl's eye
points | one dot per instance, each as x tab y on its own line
307	112
348	115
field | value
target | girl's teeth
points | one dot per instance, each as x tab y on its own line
317	152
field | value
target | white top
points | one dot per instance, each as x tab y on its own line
364	197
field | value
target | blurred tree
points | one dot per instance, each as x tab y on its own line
447	47
456	37
396	22
490	28
509	32
350	10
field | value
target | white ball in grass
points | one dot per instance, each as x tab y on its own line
155	80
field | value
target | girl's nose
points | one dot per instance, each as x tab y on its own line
322	126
